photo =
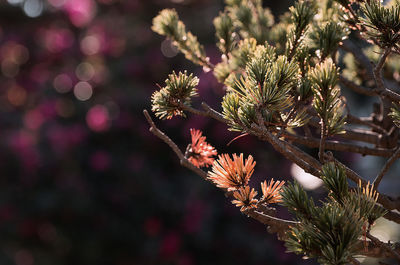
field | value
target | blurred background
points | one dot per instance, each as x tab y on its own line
82	181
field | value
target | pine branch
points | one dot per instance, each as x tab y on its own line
322	142
386	167
366	122
387	202
277	225
338	146
356	88
184	162
311	165
362	136
280	146
356	134
378	70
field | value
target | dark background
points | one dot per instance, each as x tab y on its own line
82	181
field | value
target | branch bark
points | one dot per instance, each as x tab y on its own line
386	167
338	146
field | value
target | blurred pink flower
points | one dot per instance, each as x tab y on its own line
98	118
56	39
80	12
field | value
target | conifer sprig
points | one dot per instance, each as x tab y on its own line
179	90
167	23
326	38
224	32
327	100
251	19
301	16
382	23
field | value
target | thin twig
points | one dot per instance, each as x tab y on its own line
361	136
386	167
322	141
213	113
366	122
352	134
338	146
383	245
378	70
356	88
193	110
184	162
281	148
371	92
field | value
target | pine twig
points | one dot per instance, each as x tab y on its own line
378	70
322	142
366	122
184	162
281	147
386	167
338	146
356	88
213	113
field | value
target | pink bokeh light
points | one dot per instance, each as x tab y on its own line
80	12
98	118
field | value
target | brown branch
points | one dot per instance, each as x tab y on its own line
338	146
351	134
193	110
376	250
362	136
184	162
357	52
321	151
388	248
386	167
371	92
275	225
356	88
281	147
366	122
378	70
213	113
